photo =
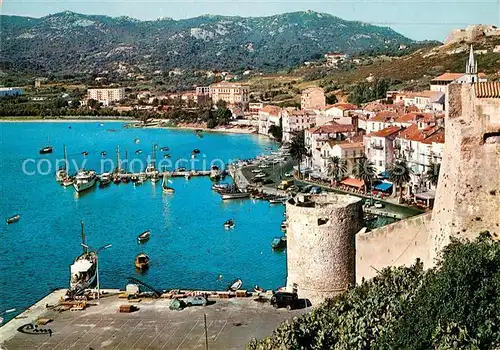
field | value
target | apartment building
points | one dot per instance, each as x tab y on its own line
106	96
379	147
294	121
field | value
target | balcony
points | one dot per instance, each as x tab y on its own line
376	146
409	149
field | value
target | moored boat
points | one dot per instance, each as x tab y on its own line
126	180
215	173
62	173
85	153
143	237
68	182
235	285
196	151
220	187
139	151
164	185
279	243
164	149
283	226
84	180
104	180
84	268
46	150
234	195
229	224
258	289
141	261
117	180
277	200
13	219
104	153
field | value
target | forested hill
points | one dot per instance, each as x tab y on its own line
76	43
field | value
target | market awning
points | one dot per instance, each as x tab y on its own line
383	186
426	195
353	182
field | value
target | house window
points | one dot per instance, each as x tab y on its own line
379	163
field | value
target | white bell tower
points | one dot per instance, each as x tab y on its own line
471	68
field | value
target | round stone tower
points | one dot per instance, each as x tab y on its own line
321	250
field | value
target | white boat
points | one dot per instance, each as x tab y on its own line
215	173
378	205
234	195
62	173
68	182
84	180
260	175
84	269
256	171
164	185
236	285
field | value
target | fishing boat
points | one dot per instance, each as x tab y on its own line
104	153
134	179
215	173
220	187
84	268
143	237
117	180
62	173
68	182
155	177
13	219
187	176
232	192
279	243
283	226
235	285
164	149
139	151
276	200
84	180
104	180
46	149
229	224
258	289
164	185
85	153
141	261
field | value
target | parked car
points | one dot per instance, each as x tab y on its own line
315	190
284	299
197	300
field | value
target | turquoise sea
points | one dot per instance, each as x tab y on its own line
189	246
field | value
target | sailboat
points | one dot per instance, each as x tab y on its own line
84	268
62	173
164	184
46	149
151	168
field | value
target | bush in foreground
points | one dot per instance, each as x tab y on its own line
454	305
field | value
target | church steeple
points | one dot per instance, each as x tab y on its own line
471	67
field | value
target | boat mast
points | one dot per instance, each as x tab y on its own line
65	159
126	160
153	160
85	251
118	165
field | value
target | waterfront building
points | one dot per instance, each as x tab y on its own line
11	91
379	147
268	115
106	96
321	251
254	108
231	93
348	152
294	120
312	98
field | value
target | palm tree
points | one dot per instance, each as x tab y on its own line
432	173
364	170
298	149
399	174
336	168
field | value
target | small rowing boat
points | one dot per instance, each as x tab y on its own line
13	219
229	224
143	237
141	261
235	285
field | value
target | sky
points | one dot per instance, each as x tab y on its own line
417	19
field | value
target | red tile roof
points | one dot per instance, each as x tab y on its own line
348	145
384	116
448	77
487	90
332	128
413	117
343	106
390	130
427	135
273	110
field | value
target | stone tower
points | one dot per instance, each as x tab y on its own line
321	250
468	200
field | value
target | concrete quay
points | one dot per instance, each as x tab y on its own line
231	324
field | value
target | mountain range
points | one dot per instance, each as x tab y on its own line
76	43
